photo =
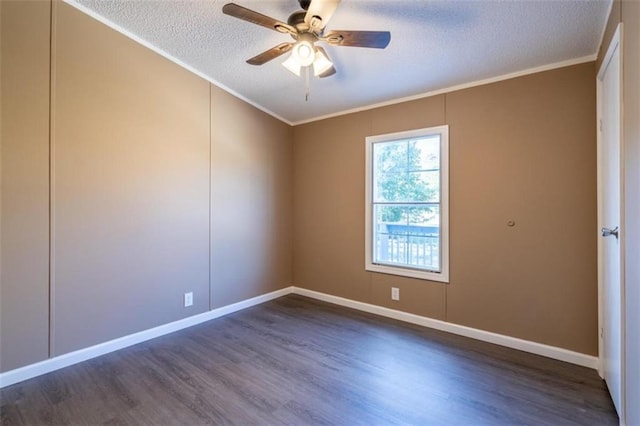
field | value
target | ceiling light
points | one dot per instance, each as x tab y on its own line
304	53
321	63
292	65
319	60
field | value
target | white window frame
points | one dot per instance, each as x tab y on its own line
443	274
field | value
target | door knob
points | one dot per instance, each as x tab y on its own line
606	232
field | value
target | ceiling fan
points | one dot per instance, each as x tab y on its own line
307	27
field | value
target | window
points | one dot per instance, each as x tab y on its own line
407	196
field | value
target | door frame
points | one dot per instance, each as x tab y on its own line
616	42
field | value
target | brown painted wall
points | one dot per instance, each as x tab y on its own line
24	153
521	149
250	201
524	150
131	185
161	185
628	12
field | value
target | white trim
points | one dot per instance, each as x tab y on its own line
52	180
616	40
30	371
549	67
616	43
485	336
173	59
443	275
604	27
599	224
56	363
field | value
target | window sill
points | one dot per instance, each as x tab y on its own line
442	277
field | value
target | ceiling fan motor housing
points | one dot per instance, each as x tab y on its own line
304	4
296	19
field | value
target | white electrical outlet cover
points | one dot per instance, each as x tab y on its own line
188	299
395	293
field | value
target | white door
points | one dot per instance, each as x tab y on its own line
610	219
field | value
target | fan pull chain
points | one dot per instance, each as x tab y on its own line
306	78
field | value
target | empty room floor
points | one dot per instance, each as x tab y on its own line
299	361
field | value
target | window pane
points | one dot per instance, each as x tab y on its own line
427	152
423	217
407	171
411	187
424	252
390	248
390	215
407	236
390	157
405	176
427	187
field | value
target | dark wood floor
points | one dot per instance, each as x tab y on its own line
299	361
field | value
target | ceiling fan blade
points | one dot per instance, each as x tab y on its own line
331	71
270	54
319	13
375	39
249	15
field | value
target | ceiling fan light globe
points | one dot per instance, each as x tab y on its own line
304	53
321	63
292	65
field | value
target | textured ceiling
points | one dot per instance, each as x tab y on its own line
434	45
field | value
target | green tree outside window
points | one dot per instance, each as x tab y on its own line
399	179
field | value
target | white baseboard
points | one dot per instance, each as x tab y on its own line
56	363
486	336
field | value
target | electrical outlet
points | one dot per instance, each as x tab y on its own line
395	293
188	299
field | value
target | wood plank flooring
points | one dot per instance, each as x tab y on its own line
298	361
